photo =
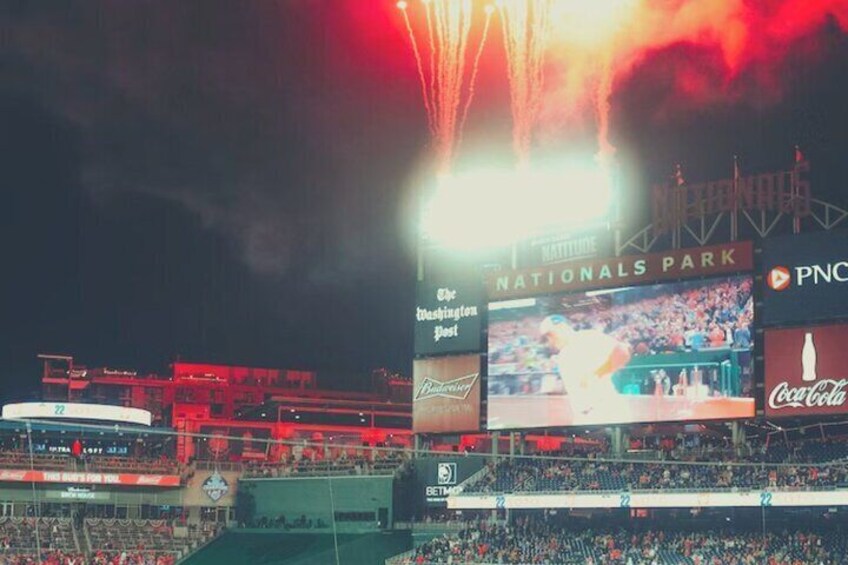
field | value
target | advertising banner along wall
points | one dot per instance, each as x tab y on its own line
645	499
446	394
806	278
116	479
447	319
668	352
806	371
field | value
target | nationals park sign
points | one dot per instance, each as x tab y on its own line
622	271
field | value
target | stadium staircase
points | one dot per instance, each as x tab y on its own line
85	546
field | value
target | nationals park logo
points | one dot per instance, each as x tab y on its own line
458	388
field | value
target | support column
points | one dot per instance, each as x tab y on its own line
511	444
496	437
737	436
616	441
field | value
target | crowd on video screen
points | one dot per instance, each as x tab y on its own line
657	319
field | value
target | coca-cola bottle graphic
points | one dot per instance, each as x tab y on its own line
808	359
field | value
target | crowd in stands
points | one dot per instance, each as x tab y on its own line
819	464
535	540
694	317
523	475
159	465
98	558
385	463
21	459
112	542
131	535
20	533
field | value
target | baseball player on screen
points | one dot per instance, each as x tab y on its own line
586	361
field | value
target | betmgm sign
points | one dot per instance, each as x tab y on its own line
438	478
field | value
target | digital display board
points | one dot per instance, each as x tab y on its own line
805	278
677	351
806	371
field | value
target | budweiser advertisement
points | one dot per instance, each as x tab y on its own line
806	371
114	479
806	278
446	394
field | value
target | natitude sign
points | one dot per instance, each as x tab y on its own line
622	271
446	394
806	371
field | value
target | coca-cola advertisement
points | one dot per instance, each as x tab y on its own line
806	371
446	394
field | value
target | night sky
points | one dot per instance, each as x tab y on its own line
235	181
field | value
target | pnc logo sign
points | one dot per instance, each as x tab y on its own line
779	278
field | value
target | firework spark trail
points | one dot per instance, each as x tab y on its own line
606	150
431	36
474	70
420	67
448	27
525	29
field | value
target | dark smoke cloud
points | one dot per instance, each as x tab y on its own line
236	112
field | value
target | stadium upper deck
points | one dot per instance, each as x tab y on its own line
253	404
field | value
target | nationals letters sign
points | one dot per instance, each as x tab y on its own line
446	394
806	371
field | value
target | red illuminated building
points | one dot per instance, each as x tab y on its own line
220	403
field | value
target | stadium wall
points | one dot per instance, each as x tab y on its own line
359	503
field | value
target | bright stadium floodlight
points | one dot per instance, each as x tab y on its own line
492	208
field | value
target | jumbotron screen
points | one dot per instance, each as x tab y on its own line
667	352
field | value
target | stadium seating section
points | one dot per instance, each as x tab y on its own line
814	464
533	540
23	460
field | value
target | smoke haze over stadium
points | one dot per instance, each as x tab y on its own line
237	182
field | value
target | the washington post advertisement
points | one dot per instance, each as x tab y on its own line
676	351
